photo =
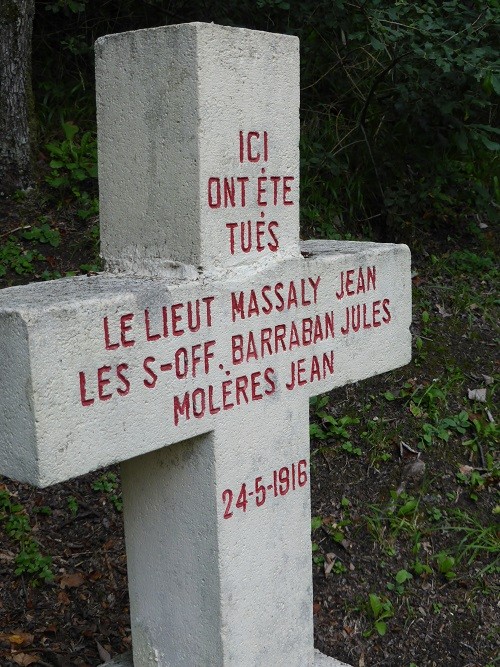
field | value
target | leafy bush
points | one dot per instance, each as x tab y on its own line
399	102
399	117
74	167
74	159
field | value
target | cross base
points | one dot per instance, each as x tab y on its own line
320	660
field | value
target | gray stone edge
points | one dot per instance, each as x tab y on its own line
320	660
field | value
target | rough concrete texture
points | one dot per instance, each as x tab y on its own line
116	374
181	95
320	660
77	368
198	377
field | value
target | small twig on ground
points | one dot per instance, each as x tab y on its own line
326	461
16	229
80	515
481	455
110	569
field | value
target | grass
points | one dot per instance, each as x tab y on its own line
390	544
440	530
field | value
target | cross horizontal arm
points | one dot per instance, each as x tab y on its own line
144	363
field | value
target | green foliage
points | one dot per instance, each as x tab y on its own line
401	516
421	569
74	167
477	540
401	96
380	609
400	578
43	234
398	102
13	257
29	560
446	564
327	426
485	433
74	159
351	449
108	484
476	481
72	505
316	522
470	262
443	428
65	5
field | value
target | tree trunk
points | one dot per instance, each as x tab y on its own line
16	95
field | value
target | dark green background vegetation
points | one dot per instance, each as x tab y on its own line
399	143
398	111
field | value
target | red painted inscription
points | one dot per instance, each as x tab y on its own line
174	320
304	371
366	316
192	360
261	190
278	297
254	146
108	381
253	346
357	281
248	235
225	396
285	479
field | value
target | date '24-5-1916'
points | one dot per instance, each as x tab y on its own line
287	478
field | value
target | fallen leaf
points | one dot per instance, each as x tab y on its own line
63	598
466	470
25	659
50	628
316	608
405	451
71	580
329	563
103	654
7	556
441	310
20	638
477	394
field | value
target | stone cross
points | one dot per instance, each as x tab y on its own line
192	358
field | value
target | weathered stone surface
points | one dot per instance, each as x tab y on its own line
191	361
320	660
58	407
181	96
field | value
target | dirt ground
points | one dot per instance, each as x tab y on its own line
404	490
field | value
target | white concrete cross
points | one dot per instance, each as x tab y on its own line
192	358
